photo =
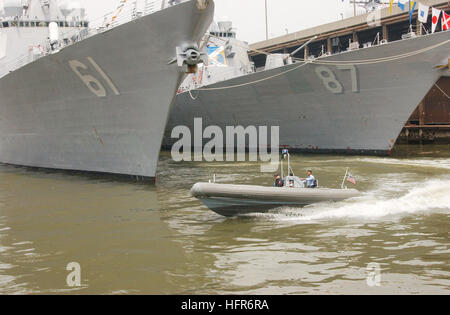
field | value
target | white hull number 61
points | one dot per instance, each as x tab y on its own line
93	84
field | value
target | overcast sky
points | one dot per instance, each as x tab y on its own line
248	15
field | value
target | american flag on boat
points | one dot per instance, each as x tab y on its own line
351	179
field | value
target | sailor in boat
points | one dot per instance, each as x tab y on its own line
278	181
310	181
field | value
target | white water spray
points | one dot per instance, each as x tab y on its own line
427	197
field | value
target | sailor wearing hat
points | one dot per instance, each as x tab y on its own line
310	181
278	181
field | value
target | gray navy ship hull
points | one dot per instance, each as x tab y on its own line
99	105
365	116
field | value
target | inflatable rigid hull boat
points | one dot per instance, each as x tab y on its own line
232	200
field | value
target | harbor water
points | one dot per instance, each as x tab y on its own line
133	238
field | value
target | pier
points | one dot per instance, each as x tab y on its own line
430	122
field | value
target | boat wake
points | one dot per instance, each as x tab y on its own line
428	197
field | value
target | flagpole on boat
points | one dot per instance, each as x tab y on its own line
345	177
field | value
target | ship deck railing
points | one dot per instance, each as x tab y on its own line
98	25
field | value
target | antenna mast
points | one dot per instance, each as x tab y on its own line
267	23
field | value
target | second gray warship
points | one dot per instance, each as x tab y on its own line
355	101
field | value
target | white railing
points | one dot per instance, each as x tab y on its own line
151	6
131	11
